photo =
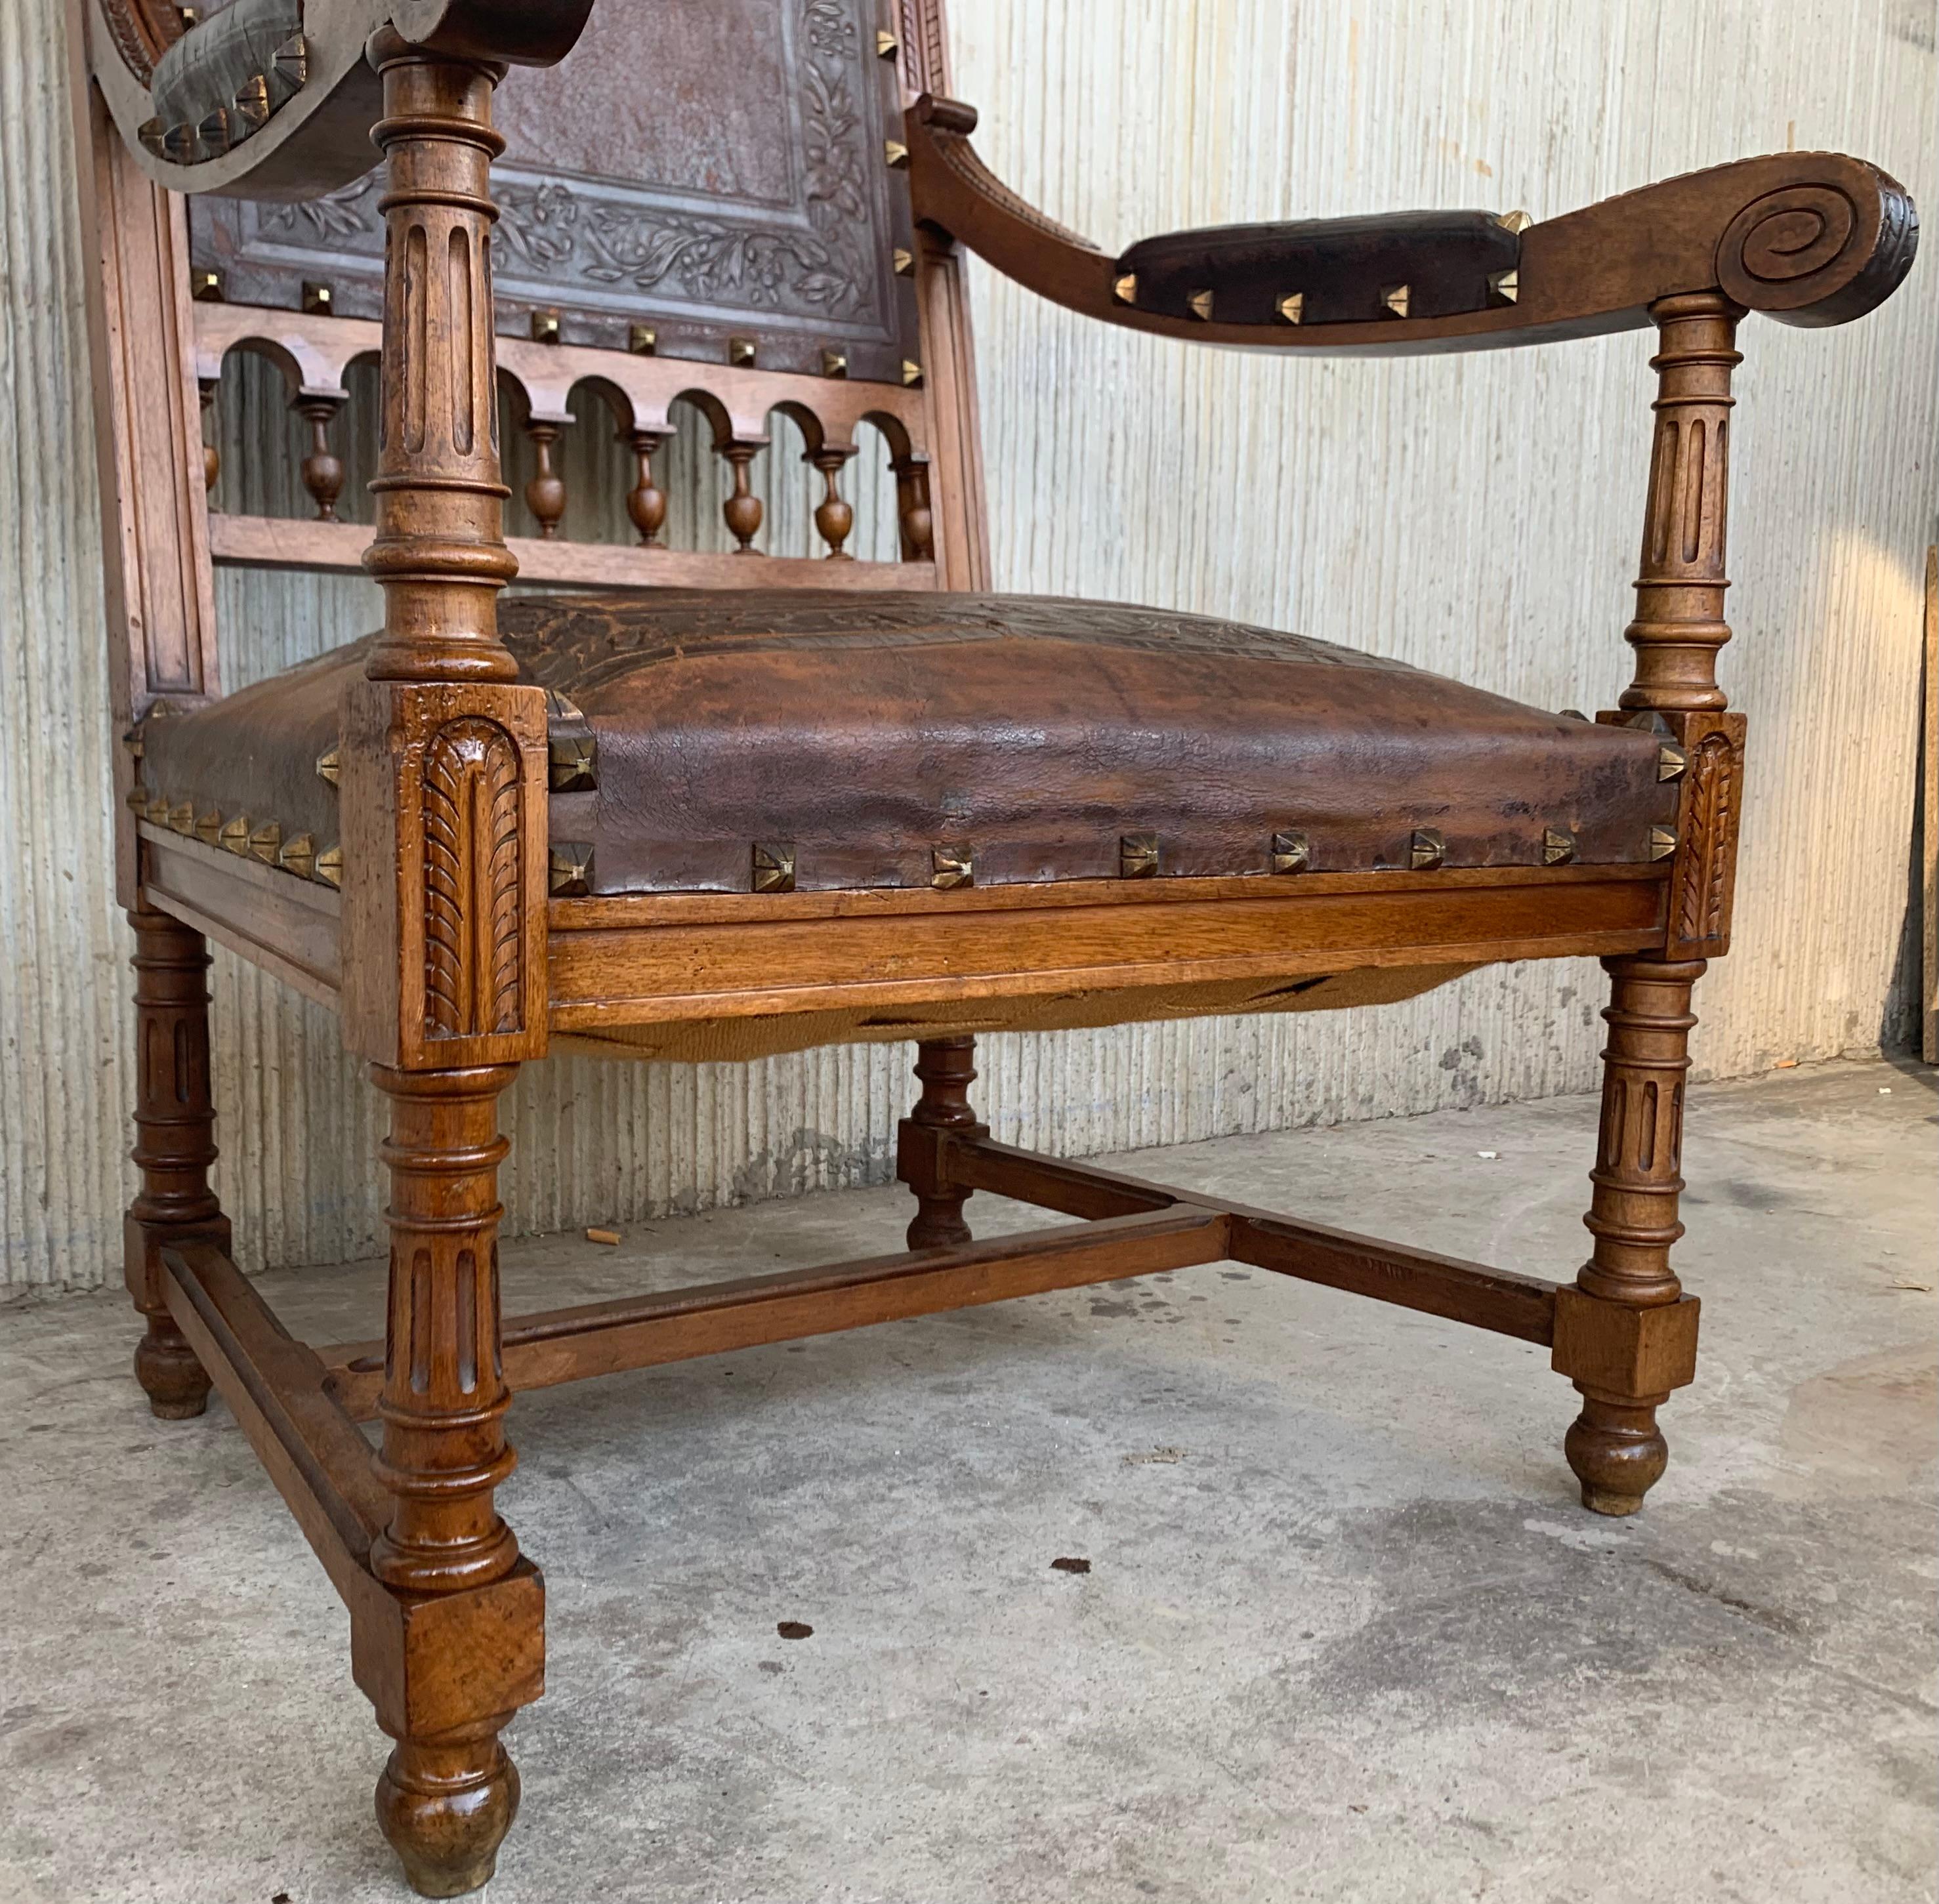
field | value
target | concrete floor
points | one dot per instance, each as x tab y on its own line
1346	1634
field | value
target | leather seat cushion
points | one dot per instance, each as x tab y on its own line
867	733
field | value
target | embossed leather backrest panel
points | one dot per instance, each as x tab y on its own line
710	169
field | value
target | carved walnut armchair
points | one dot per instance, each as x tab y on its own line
712	805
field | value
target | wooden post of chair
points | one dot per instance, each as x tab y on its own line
947	1067
1626	1333
444	791
174	1144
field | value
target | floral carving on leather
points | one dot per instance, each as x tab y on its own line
345	213
1704	874
473	950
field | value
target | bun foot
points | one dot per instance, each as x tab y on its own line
176	1384
1617	1454
445	1806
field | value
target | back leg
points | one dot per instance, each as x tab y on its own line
947	1067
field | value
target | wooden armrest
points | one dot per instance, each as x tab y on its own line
1810	238
270	99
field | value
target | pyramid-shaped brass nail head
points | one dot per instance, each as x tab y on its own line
1427	849
206	285
329	767
740	351
1557	848
1290	852
235	834
1292	308
1124	287
1671	762
895	153
573	762
1504	286
570	876
835	363
1200	302
904	262
1137	855
266	842
330	865
912	373
950	867
886	46
1396	298
642	340
299	855
1517	222
209	827
774	867
182	819
316	299
1662	842
545	326
252	102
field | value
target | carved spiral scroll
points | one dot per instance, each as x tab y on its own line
1811	255
474	950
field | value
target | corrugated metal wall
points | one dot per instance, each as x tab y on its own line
1477	515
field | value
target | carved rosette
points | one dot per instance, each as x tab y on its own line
474	882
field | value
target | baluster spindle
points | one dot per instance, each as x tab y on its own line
833	514
918	523
211	456
322	468
742	508
645	501
544	494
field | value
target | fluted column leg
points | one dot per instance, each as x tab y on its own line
445	1802
1626	1333
175	1145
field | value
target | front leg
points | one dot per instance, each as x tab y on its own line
445	1801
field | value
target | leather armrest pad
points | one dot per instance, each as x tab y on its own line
1343	270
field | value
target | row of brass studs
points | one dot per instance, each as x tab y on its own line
771	864
1504	287
237	835
248	113
743	353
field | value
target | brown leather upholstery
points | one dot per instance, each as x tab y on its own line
1343	269
870	740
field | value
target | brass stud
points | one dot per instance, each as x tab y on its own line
835	363
1396	298
1504	286
773	868
205	284
266	842
574	761
209	827
1673	762
329	767
1291	853
562	708
1427	849
235	835
1662	842
741	352
1124	287
1137	855
950	867
1558	848
157	813
905	261
912	374
215	135
189	16
299	856
1200	304
1292	308
316	299
253	105
291	61
1517	222
1574	714
571	869
154	136
138	799
895	153
329	867
887	45
545	326
642	340
182	819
